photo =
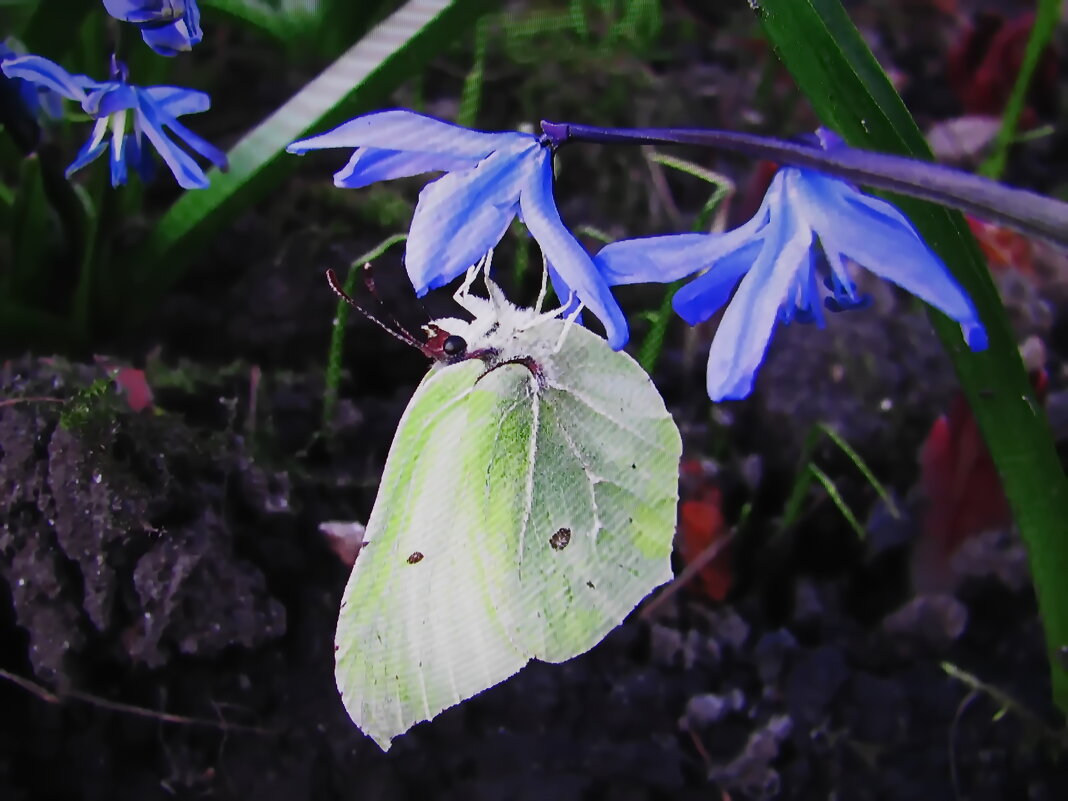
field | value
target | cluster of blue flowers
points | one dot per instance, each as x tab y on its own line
788	263
773	259
168	27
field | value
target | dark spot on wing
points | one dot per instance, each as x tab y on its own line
560	539
590	585
415	558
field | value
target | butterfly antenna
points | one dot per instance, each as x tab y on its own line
369	282
397	332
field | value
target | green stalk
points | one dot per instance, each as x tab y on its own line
1041	33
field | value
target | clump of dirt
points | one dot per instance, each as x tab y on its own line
114	540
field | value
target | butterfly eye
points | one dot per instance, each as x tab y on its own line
454	346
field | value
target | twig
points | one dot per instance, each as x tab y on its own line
661	188
1006	702
14	401
686	576
954	726
701	750
116	706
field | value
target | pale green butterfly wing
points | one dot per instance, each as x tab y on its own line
416	633
585	497
522	513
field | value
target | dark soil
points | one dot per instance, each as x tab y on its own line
171	562
167	602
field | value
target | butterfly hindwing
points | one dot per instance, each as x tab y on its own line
416	633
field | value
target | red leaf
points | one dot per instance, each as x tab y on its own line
961	484
135	386
701	525
1004	248
982	67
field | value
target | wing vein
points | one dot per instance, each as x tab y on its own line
589	472
532	448
589	405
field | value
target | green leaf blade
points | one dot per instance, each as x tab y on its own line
848	89
360	79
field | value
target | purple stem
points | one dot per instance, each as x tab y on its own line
1028	212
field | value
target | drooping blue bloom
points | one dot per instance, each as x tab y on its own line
489	179
169	27
773	262
35	99
154	109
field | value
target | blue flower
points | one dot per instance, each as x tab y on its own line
154	108
169	27
489	179
773	262
35	99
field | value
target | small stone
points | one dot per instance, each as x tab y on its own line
771	652
707	708
666	645
935	620
995	554
815	680
728	628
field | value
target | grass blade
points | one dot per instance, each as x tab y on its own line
862	466
836	498
341	318
359	80
1041	34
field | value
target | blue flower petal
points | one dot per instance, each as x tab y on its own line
369	165
168	26
192	21
569	300
653	259
46	73
803	302
461	216
140	158
177	100
400	129
743	335
118	97
118	159
192	139
567	255
186	171
170	40
92	149
662	259
139	12
51	103
880	238
708	293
